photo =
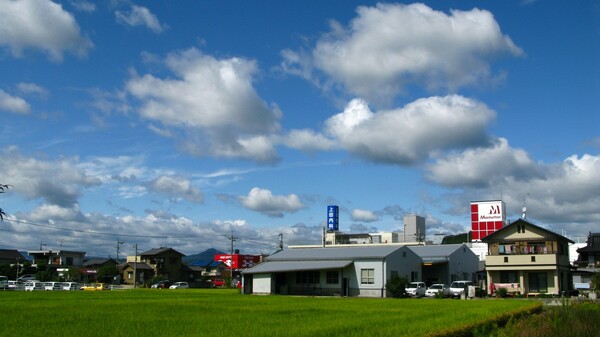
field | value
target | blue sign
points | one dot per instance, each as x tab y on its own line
333	218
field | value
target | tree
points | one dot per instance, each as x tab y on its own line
397	286
3	188
596	282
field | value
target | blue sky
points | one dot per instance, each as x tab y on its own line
178	123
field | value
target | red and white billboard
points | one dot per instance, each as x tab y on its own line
486	218
238	261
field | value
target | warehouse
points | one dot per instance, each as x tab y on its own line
348	270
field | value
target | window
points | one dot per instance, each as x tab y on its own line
307	277
414	276
332	277
533	259
129	275
538	283
506	259
508	277
367	276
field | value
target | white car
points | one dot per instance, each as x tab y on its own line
71	286
34	285
52	286
437	288
179	285
416	289
457	288
16	285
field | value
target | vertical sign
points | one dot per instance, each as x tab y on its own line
333	218
486	218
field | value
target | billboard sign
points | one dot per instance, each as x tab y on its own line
333	218
238	261
486	218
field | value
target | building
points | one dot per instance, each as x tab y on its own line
135	272
587	263
355	270
56	258
11	256
93	266
447	263
166	262
528	259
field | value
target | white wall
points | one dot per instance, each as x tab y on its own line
261	284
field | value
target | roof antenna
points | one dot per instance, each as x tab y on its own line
524	207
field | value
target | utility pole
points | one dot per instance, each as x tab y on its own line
232	238
135	268
119	243
280	241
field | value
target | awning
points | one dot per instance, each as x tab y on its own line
286	266
428	261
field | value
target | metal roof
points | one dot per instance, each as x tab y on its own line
334	253
285	266
433	251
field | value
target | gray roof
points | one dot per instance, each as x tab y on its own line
283	266
157	251
334	253
433	251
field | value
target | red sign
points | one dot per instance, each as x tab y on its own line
238	261
486	218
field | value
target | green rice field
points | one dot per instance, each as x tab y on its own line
217	312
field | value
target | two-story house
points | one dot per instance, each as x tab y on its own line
528	259
587	263
166	262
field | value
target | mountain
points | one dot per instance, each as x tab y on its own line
207	255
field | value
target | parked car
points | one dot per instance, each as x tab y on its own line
179	285
95	287
3	282
457	288
16	285
52	286
416	289
218	283
165	284
26	277
437	288
71	286
34	285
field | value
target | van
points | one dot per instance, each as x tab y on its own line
34	285
71	286
416	289
52	286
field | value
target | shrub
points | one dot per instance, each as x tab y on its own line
397	286
501	292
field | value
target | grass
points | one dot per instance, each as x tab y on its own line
211	312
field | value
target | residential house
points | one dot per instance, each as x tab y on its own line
587	263
528	259
166	262
135	273
11	256
93	266
355	270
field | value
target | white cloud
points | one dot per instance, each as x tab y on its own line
212	101
176	186
388	47
58	182
308	140
483	166
84	6
140	16
363	215
32	88
13	104
263	201
412	133
40	24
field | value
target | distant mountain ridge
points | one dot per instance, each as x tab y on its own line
207	255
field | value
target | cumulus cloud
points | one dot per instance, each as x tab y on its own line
58	182
176	186
486	166
84	6
140	16
40	24
363	215
13	104
213	102
308	140
388	47
412	133
263	201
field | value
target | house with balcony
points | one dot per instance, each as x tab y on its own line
528	259
587	263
